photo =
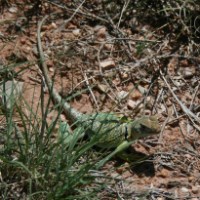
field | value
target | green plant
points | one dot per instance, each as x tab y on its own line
38	164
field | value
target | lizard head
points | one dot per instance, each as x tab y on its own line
143	127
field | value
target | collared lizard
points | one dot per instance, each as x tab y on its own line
110	131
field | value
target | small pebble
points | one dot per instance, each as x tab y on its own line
195	189
76	32
107	64
13	9
164	173
122	94
184	189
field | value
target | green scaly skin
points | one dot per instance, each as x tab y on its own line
110	131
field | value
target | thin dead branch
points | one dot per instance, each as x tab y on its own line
184	108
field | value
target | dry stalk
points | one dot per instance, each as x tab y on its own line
90	90
183	107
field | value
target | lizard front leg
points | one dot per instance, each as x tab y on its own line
124	145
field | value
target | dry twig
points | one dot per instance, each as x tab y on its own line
184	108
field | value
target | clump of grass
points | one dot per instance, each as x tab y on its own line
37	163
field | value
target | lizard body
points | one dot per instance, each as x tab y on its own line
107	127
111	132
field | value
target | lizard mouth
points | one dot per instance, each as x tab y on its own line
144	127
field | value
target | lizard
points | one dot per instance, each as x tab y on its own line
111	132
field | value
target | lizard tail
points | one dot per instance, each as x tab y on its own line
71	113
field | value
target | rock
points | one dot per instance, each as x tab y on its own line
53	25
142	89
135	94
164	173
134	105
122	95
160	198
195	189
107	64
131	104
10	92
13	9
184	190
101	33
103	88
188	72
76	32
